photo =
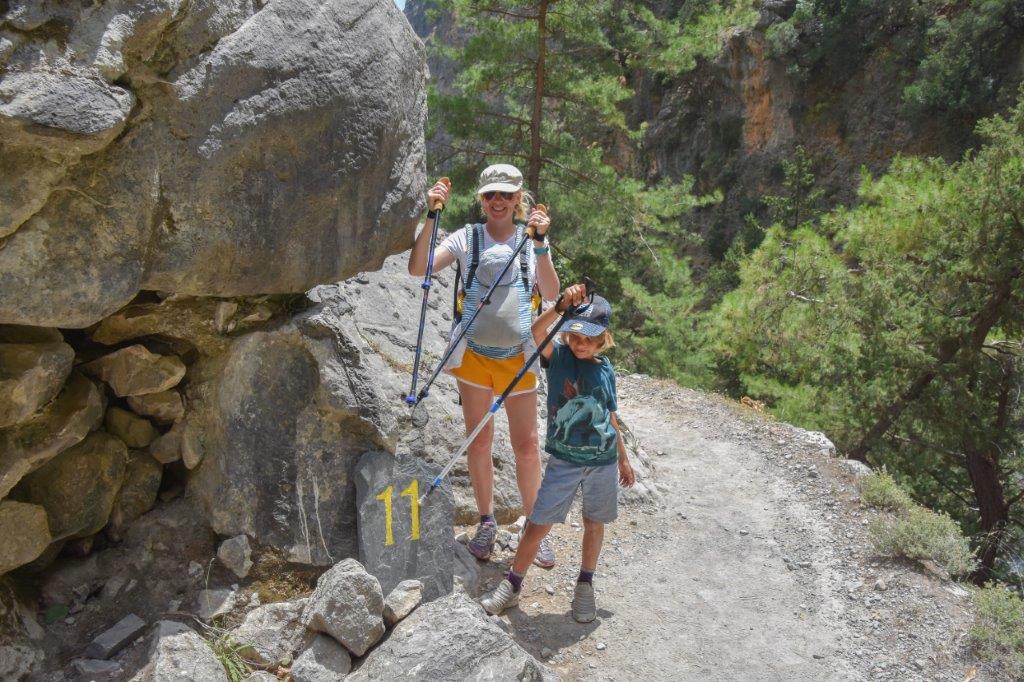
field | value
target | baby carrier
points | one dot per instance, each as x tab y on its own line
502	326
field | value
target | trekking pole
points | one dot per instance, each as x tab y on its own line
568	313
465	328
438	207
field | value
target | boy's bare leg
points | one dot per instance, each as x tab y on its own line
593	537
528	545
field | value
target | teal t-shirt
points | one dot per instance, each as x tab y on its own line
581	398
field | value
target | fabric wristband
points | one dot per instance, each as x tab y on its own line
541	250
431	214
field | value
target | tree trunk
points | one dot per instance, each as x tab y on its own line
995	513
982	322
533	172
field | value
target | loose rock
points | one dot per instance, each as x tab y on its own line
136	371
450	638
402	600
165	407
324	661
178	654
213	603
135	431
137	494
31	375
64	422
235	553
77	488
271	633
25	533
116	638
348	605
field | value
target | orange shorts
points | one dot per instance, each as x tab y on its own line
483	372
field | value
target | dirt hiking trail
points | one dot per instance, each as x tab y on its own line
750	562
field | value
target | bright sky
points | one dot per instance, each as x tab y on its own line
400	3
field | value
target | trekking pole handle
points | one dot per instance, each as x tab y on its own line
438	203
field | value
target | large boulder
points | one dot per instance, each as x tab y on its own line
450	639
399	538
31	375
77	488
282	418
348	605
323	661
164	407
76	411
208	148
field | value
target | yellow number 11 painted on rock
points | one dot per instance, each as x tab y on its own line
412	492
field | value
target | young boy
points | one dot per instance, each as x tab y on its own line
584	442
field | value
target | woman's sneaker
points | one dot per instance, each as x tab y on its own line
584	606
545	555
482	543
503	597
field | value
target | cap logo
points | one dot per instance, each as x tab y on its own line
576	326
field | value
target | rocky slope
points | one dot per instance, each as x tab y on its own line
173	177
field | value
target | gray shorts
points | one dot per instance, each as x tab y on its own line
562	479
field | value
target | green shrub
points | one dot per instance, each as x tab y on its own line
998	631
880	489
923	534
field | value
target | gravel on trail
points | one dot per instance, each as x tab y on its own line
753	563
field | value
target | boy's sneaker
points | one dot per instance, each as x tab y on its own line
584	606
503	597
482	543
545	555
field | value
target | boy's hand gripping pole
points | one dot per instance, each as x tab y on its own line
568	313
438	206
465	327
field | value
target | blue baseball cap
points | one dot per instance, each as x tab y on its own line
592	319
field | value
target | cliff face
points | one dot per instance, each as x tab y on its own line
733	121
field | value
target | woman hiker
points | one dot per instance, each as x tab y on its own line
498	342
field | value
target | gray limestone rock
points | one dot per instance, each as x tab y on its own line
348	605
858	469
76	411
31	375
164	407
416	541
406	596
77	488
109	642
466	571
135	431
236	554
283	418
323	661
372	309
178	654
94	670
218	162
136	371
450	639
25	533
213	603
271	633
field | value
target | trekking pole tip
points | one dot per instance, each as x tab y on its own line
410	400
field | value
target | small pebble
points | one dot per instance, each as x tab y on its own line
600	646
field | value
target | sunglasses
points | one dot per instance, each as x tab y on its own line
507	196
